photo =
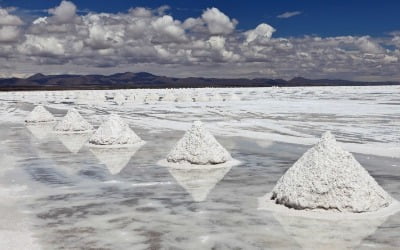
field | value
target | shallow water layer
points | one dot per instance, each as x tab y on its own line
85	199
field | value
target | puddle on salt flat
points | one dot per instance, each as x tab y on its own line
123	200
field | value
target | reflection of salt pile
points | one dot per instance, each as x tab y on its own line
39	114
199	182
73	122
327	177
115	159
198	147
74	141
40	130
114	132
328	234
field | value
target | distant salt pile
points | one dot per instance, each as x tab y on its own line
114	132
202	98
199	147
119	99
184	97
151	98
73	122
169	97
327	177
39	114
233	97
217	98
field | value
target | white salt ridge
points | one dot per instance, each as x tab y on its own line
73	122
200	147
39	114
329	178
114	132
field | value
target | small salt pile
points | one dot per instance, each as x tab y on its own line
39	114
199	147
151	98
328	177
233	97
119	99
114	132
73	122
168	97
202	98
184	97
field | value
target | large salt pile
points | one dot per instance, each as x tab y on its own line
330	178
198	147
39	114
73	122
114	132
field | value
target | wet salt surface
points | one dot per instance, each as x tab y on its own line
76	202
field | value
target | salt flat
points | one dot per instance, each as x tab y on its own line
82	199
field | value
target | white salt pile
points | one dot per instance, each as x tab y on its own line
168	97
119	99
114	132
327	177
73	122
184	97
39	114
233	97
198	147
202	98
151	98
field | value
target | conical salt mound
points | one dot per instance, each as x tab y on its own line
200	147
73	122
327	177
114	132
39	114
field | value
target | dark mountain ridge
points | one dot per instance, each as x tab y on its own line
129	80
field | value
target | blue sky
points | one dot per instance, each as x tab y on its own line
318	17
355	40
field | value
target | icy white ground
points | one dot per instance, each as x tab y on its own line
59	194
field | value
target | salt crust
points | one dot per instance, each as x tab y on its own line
328	179
73	122
115	132
39	114
265	203
200	147
187	165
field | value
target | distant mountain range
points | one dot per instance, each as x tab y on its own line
147	80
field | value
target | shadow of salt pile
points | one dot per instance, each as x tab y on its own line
41	131
74	141
199	182
312	233
115	159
